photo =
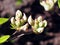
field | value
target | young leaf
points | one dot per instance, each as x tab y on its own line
3	20
18	2
4	38
59	3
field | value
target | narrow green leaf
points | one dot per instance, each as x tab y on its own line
4	38
3	20
59	3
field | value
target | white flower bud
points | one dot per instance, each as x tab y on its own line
48	4
17	18
46	7
30	20
40	30
17	23
24	17
12	20
39	18
40	24
18	14
36	24
45	23
24	27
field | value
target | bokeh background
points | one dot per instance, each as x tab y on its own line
51	34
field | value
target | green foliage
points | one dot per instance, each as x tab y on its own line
59	3
3	20
4	38
18	2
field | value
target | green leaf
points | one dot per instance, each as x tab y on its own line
3	20
18	2
13	26
4	38
59	3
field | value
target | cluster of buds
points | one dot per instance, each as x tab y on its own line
18	22
38	24
48	4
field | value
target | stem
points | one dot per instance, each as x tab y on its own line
18	37
14	32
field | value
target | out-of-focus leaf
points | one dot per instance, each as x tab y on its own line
59	3
3	20
4	38
18	2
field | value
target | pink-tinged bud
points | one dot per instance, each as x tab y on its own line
12	20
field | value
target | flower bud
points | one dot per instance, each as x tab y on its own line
49	2
30	20
18	14
17	23
40	24
46	6
39	18
22	21
36	25
45	23
17	18
24	27
40	30
12	20
24	17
